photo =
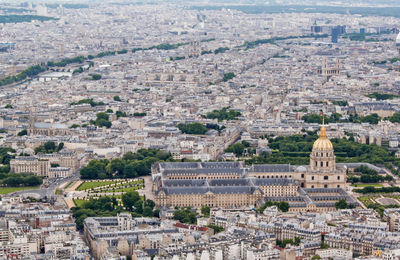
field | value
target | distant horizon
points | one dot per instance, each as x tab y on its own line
348	3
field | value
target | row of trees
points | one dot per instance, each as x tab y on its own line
282	206
89	101
20	180
239	148
371	189
223	114
395	118
336	117
193	128
367	175
342	103
284	242
131	165
296	149
49	147
382	96
27	73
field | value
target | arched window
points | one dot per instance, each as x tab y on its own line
325	177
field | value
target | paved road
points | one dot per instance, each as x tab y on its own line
48	192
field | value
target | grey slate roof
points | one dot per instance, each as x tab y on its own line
271	168
271	182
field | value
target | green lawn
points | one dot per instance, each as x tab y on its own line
124	189
6	190
69	184
79	202
367	200
362	185
93	184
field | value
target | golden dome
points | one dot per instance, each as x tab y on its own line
323	143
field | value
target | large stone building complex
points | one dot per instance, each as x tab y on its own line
313	187
40	164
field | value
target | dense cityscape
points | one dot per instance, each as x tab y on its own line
196	130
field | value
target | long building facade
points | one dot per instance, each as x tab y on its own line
313	187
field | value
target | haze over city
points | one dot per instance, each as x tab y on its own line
199	130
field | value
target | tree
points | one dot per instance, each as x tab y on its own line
147	212
139	206
117	98
217	229
102	119
316	257
95	76
49	146
223	114
60	146
205	210
102	115
129	199
228	76
8	106
341	204
102	122
149	203
23	132
193	128
185	215
117	165
283	206
130	170
120	114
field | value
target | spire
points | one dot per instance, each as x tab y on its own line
323	129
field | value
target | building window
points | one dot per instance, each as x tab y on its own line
322	164
312	186
302	175
316	164
338	177
327	155
338	186
312	177
325	177
327	164
326	186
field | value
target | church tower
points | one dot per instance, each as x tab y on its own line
322	171
322	158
